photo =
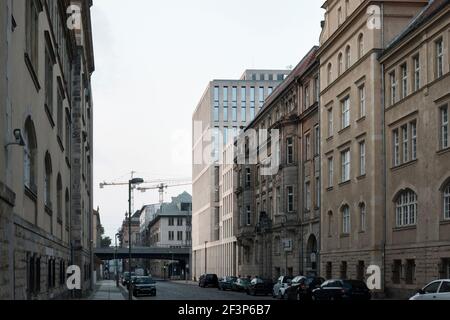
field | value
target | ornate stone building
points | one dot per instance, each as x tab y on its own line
277	216
39	101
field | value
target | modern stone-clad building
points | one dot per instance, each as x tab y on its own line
278	211
384	95
44	227
225	108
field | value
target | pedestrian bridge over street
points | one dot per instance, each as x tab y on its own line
151	253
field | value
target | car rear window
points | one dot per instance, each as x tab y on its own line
445	287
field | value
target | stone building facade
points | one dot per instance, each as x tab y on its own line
277	214
382	114
36	103
225	108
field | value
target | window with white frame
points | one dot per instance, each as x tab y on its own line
406	209
345	166
447	202
330	172
393	82
290	198
307	196
405	143
396	149
308	146
362	158
362	217
413	127
216	104
330	122
444	128
345	112
362	101
347	57
340	64
439	58
416	62
346	219
404	69
290	150
30	155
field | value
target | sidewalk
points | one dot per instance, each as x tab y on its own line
107	290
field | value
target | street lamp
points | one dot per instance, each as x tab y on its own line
131	184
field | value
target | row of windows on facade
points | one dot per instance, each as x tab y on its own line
396	93
31	165
171	234
267	77
180	221
34	270
262	94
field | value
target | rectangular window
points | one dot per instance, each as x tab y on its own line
396	151
416	62
188	236
393	80
243	104
290	198
346	220
330	122
171	221
362	101
317	192
346	113
405	143
171	235
345	159
330	172
67	136
308	146
289	150
179	222
316	89
261	97
60	110
410	272
32	32
248	177
439	58
413	140
362	158
270	90
306	97
444	128
307	196
48	81
248	219
396	271
180	235
234	104
404	69
316	141
225	104
216	104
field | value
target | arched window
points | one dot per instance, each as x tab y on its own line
67	208
340	64
329	74
362	217
347	57
360	46
447	202
346	219
48	181
29	158
406	208
59	199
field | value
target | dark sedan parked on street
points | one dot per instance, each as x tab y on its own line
208	280
241	285
226	283
342	290
260	287
143	286
301	287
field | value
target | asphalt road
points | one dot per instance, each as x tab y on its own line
166	290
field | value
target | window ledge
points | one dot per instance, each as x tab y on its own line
31	194
60	143
397	229
49	115
344	183
345	235
361	177
445	222
361	119
330	189
443	151
48	210
404	165
344	129
330	138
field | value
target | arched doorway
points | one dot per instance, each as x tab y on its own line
311	255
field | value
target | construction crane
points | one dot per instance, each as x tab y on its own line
163	186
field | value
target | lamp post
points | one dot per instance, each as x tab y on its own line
131	184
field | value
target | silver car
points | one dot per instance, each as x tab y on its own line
435	290
279	289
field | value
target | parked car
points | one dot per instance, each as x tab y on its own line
129	282
226	283
278	290
301	287
435	290
126	278
143	286
241	285
260	286
342	290
208	280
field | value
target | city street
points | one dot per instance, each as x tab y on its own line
166	290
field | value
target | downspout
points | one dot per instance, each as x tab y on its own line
383	120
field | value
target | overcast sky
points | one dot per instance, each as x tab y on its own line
154	60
